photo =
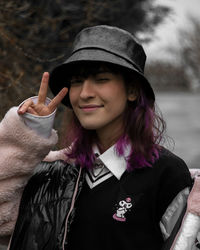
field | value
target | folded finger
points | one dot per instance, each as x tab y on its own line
31	111
23	109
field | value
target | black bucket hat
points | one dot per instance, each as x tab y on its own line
102	43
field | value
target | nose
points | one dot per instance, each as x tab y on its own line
87	90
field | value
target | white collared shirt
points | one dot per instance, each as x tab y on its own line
107	164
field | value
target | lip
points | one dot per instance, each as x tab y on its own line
89	108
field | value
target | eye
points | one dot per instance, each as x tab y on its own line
76	81
122	203
102	77
128	205
102	80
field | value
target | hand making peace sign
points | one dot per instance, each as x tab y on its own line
40	108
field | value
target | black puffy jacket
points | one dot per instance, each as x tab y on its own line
46	209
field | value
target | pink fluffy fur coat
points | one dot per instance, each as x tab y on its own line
21	150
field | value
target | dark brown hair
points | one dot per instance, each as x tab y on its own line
143	126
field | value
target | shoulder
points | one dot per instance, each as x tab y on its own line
49	180
171	171
169	161
54	170
172	175
57	155
166	154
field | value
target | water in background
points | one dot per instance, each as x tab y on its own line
182	114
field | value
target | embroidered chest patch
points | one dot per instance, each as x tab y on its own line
122	208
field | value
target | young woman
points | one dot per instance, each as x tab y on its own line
115	186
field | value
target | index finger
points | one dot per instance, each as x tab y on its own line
42	94
57	99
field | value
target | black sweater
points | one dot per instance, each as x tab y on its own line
148	192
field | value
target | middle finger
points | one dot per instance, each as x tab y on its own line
57	99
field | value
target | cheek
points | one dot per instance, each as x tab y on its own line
73	96
118	99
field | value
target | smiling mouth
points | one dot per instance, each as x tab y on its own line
88	108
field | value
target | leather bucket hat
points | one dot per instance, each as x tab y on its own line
102	43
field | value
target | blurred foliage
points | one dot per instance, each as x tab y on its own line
182	71
36	35
166	76
189	53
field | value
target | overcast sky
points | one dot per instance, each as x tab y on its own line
166	33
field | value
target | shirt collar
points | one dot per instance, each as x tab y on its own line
115	163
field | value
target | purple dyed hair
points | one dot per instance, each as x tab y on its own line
143	127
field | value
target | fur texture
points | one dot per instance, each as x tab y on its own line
194	198
56	155
21	149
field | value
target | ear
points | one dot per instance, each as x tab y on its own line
132	94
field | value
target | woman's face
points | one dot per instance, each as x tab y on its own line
99	101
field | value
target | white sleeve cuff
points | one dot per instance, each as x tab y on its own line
42	125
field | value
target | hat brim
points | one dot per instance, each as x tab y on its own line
59	75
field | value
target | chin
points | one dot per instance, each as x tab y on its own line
90	126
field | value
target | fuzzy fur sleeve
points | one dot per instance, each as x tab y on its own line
21	149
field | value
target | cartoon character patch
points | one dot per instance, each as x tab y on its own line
123	207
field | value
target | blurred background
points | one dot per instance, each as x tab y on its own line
173	67
36	35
